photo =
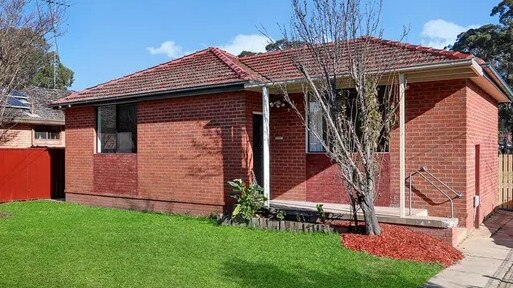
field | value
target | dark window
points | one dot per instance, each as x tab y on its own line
117	129
47	133
317	123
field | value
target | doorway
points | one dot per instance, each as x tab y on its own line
477	180
258	160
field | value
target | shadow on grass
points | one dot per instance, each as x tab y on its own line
259	275
4	214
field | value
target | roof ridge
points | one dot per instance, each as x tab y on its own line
453	55
228	59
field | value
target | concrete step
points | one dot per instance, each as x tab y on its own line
337	208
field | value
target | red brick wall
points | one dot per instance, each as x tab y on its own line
324	184
134	203
482	130
115	173
80	143
188	148
445	121
448	235
297	175
288	157
287	148
435	137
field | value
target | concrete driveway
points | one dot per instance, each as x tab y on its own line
488	257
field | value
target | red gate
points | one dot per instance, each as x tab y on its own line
31	173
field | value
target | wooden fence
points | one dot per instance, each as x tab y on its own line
506	181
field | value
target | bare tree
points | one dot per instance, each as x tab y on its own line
24	28
349	84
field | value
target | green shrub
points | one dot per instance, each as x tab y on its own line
320	212
280	215
250	199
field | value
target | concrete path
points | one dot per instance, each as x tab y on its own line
488	257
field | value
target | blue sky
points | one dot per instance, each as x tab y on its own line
106	39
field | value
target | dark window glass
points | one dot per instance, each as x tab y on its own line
117	129
47	133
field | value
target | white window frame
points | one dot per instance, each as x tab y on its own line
307	131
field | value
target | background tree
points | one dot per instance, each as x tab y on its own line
44	74
281	44
25	26
494	43
38	67
337	52
246	53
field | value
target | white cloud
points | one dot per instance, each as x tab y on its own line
168	48
440	33
242	42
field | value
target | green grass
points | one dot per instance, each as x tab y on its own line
50	244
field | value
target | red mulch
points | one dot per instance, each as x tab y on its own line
403	243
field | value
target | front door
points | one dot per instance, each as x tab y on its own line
258	160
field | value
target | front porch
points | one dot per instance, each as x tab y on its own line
296	179
418	217
442	228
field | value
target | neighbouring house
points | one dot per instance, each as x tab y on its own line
34	123
32	146
168	138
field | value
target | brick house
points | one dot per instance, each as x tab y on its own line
34	123
32	146
168	138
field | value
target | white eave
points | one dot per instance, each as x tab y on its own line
482	75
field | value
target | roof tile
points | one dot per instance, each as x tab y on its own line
214	66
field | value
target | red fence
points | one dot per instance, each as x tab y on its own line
32	173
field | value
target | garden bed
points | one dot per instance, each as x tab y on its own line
403	243
395	242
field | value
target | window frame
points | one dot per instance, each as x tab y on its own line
47	131
98	149
307	130
381	89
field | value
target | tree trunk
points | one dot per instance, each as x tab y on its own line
354	207
369	214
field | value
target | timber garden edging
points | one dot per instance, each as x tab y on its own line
272	224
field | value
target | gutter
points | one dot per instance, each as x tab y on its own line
417	68
38	121
208	89
497	78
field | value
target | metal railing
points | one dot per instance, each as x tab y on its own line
421	172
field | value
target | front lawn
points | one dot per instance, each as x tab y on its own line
52	244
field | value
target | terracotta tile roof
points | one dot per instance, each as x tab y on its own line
206	67
280	65
214	66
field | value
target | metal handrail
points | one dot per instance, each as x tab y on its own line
424	169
